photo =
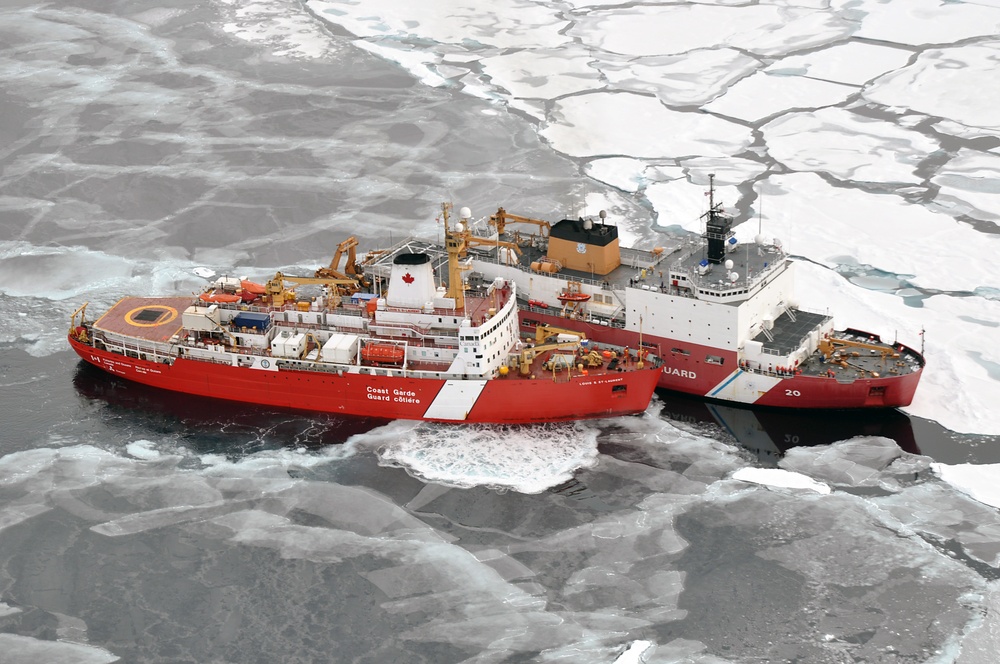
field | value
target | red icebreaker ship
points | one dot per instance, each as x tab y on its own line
412	350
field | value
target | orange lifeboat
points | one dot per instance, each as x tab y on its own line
216	296
382	353
569	296
251	290
573	293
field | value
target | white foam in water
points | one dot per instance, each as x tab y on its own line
143	449
775	477
528	459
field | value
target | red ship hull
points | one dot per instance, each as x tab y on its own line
496	400
689	374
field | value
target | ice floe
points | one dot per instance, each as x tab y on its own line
977	480
776	477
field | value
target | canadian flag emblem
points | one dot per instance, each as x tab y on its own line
408	278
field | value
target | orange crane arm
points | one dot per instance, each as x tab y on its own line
502	218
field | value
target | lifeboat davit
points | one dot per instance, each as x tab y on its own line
382	353
219	297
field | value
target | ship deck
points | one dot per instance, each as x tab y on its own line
150	318
788	333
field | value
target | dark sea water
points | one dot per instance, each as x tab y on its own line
140	143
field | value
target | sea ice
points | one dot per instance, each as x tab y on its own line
847	226
925	21
853	63
855	462
980	481
19	649
694	78
968	185
763	95
605	123
776	477
673	29
947	83
848	146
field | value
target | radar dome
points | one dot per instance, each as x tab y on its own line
734	277
465	213
729	264
758	239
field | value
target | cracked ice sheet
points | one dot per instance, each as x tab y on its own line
763	95
842	573
696	77
543	74
288	32
909	503
848	146
628	570
957	388
978	481
841	226
921	22
605	124
630	174
968	185
853	63
947	83
674	29
502	24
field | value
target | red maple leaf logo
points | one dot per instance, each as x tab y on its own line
407	278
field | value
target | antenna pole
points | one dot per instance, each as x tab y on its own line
760	213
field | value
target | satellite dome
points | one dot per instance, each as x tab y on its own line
465	213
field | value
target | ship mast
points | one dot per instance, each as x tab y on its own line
453	243
718	226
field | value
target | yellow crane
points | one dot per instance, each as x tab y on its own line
278	295
829	346
351	270
502	218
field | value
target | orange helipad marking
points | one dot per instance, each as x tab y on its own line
156	323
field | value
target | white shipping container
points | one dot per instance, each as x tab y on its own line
340	349
201	319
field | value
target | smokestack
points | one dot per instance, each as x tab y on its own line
411	282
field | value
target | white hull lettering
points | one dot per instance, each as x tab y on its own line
398	396
683	373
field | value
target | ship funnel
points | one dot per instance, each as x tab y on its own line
411	282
